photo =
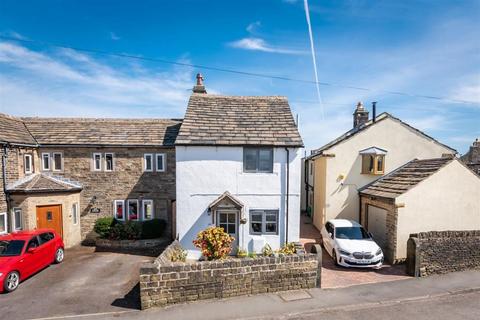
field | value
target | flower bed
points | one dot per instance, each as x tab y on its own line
164	282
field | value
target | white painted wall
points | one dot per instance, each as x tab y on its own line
204	173
402	143
447	200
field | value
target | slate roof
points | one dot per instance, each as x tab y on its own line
91	131
238	121
404	178
13	130
347	135
40	183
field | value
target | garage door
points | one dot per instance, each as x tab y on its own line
377	224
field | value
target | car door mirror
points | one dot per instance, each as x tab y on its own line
32	250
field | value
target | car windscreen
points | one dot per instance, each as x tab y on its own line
351	233
11	248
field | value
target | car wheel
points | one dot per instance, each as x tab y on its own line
11	282
334	257
59	255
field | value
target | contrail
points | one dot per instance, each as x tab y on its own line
307	14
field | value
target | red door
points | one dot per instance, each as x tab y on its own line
50	217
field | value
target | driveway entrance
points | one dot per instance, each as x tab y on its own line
86	282
335	276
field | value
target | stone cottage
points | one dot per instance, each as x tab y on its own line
67	172
238	167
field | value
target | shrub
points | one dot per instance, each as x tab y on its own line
241	253
267	251
288	248
130	230
103	226
214	243
179	254
252	255
152	229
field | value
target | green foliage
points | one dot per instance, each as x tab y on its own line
252	255
267	251
214	243
288	249
130	230
152	229
103	226
241	253
179	255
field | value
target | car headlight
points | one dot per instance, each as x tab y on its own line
345	253
379	252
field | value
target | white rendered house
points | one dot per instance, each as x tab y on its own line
238	165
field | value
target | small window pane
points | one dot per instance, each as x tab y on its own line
380	163
119	210
257	227
231	218
271	228
108	162
250	159
18	219
231	229
266	160
97	161
223	218
148	162
271	217
28	163
3	223
148	210
257	217
160	162
224	226
46	161
133	210
75	213
57	161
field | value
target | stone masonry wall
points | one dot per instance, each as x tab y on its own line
438	252
164	282
127	181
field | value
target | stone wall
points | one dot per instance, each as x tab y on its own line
438	252
163	282
148	247
127	181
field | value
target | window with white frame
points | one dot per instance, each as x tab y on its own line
160	160
28	163
119	210
3	223
97	161
264	222
147	208
75	213
148	162
17	219
57	161
132	209
108	161
45	161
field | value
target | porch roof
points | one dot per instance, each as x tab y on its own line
226	196
42	183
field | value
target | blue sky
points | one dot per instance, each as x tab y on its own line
417	47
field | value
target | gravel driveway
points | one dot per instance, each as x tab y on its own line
86	282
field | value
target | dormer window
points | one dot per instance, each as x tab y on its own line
373	161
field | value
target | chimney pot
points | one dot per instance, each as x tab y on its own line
199	87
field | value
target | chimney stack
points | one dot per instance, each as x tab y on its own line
360	116
199	87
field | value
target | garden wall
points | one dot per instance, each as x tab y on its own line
164	282
150	247
438	252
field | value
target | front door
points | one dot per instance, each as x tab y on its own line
228	220
50	217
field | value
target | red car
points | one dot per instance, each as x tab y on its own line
24	253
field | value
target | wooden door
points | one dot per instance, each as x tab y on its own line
50	217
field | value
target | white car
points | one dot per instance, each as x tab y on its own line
350	245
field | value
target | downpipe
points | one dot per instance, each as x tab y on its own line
287	193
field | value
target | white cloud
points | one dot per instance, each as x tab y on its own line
13	34
252	27
257	44
468	92
66	82
114	37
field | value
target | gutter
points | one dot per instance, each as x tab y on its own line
287	193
